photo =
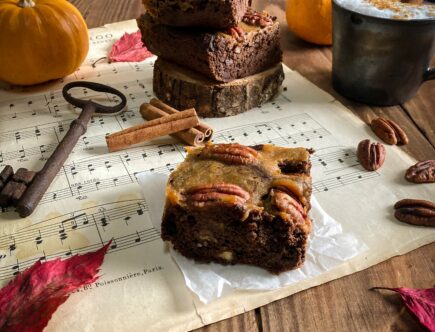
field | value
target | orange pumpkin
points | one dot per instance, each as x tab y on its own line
311	20
40	40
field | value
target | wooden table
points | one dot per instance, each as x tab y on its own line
345	304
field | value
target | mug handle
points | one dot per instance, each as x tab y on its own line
429	74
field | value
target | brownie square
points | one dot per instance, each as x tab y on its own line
231	204
251	47
205	13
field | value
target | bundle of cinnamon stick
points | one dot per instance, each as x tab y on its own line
162	120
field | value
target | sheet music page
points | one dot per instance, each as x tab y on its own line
96	197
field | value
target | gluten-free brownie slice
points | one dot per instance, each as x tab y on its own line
249	48
230	204
206	13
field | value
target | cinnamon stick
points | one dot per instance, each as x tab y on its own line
155	128
191	136
202	127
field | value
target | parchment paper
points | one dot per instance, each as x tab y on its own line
328	247
96	196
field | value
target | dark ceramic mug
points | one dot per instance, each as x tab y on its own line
380	61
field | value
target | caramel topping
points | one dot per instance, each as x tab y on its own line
246	180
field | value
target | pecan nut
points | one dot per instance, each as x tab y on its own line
415	212
255	18
286	202
422	172
389	131
371	155
235	154
237	33
217	192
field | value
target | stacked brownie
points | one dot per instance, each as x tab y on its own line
219	56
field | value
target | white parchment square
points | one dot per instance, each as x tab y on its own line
328	247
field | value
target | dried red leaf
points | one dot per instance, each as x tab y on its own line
420	302
129	48
28	301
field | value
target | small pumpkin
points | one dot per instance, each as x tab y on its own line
40	40
311	20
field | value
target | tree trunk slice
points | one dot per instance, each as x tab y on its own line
183	89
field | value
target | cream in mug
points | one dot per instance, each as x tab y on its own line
390	9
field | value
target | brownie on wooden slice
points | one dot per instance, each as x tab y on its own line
231	204
182	89
247	49
207	13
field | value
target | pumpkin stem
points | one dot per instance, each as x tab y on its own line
26	3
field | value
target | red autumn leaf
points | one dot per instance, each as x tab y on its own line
28	301
421	302
129	48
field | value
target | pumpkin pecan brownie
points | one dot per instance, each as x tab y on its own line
206	13
230	204
222	55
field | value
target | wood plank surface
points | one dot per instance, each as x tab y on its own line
345	304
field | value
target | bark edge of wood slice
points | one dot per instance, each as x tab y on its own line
182	89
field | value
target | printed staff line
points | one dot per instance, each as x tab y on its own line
53	229
117	159
55	106
5	272
44	149
277	122
334	183
53	128
331	157
99	184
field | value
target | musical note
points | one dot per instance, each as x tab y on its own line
43	258
38	239
12	246
73	170
113	245
62	234
138	239
16	268
22	153
69	252
42	149
104	221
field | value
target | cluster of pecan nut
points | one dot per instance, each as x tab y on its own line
235	154
262	20
372	156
